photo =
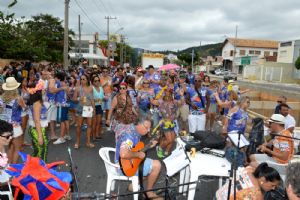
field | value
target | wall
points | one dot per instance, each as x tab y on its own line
156	62
285	54
296	50
229	47
226	51
271	71
247	49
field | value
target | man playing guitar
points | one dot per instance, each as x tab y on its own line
129	140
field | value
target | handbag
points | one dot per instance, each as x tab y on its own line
87	111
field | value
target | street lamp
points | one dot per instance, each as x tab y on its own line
120	29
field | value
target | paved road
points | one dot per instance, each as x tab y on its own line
289	90
91	170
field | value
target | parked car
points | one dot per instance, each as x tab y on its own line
231	76
218	72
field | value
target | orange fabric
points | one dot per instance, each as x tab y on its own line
283	144
108	87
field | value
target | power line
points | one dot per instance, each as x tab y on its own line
105	7
113	12
88	16
77	12
97	5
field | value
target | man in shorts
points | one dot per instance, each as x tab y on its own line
126	142
283	147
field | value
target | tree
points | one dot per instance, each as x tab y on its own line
40	38
297	63
46	35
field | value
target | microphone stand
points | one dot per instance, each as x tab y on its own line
233	170
74	174
278	135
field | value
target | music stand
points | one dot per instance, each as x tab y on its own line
234	163
75	184
174	163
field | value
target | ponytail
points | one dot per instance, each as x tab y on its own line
269	173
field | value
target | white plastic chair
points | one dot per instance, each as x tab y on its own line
4	179
113	174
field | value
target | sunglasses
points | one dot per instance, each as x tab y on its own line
279	101
83	79
123	88
197	80
6	136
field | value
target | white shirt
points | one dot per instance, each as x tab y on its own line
289	122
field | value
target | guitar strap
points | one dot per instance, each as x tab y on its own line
141	172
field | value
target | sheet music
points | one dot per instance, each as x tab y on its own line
234	137
176	161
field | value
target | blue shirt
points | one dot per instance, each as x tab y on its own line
195	99
126	140
237	121
144	100
51	96
191	78
61	96
211	96
12	112
224	94
133	95
155	76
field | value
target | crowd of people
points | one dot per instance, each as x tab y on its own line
131	102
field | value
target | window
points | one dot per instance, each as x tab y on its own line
251	52
282	54
242	52
257	52
231	53
285	44
267	53
275	53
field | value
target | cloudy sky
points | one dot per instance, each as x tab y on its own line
176	24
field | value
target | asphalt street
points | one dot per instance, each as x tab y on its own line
91	171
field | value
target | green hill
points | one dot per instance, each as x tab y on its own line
205	50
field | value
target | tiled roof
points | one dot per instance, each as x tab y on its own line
268	44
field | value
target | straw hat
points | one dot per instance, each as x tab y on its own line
10	84
277	118
95	67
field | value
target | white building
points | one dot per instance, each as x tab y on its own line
246	48
288	51
89	50
171	57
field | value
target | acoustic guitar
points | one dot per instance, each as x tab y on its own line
129	167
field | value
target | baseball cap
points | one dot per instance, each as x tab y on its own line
277	118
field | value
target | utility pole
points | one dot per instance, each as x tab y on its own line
200	53
66	35
79	36
124	43
108	18
121	51
193	60
234	50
